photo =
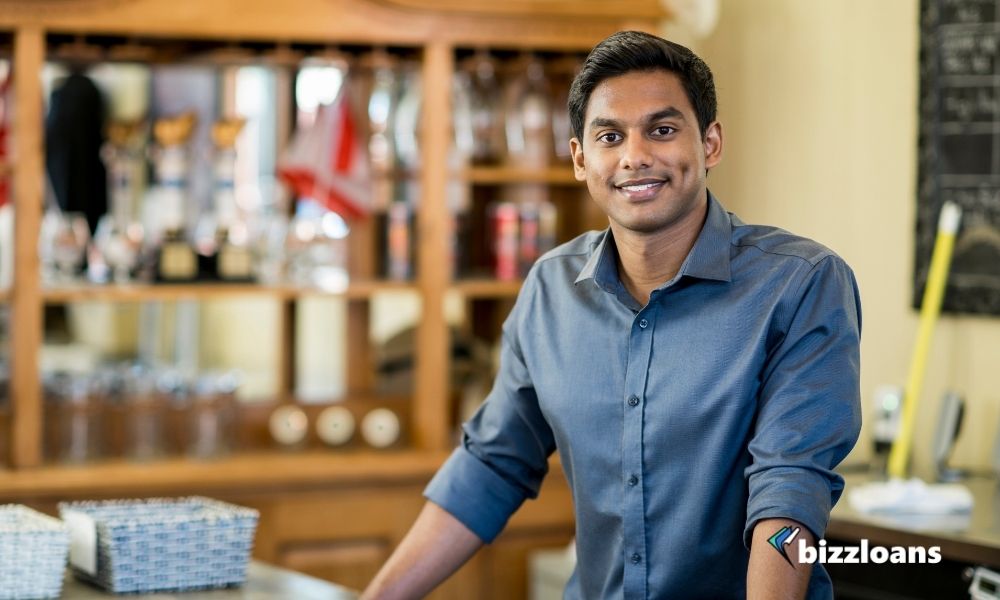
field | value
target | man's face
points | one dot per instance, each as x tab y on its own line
642	154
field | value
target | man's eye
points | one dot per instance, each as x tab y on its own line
663	130
609	137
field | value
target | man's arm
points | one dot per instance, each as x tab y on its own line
808	419
434	548
769	576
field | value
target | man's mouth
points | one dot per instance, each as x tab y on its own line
641	189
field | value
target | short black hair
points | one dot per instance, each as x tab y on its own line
628	51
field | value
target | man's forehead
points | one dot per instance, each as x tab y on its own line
639	96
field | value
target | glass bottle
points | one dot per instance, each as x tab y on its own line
118	236
382	105
406	125
486	108
529	118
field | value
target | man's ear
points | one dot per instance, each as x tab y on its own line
712	141
576	149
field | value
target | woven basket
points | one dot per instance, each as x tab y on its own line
165	544
33	551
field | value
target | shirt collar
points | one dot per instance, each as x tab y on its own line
708	258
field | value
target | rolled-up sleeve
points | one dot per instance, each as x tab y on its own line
503	457
809	409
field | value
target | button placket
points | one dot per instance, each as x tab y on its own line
633	507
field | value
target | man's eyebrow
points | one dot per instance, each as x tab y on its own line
602	122
667	113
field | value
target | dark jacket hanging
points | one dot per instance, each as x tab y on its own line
74	133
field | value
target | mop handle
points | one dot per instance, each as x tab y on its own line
930	308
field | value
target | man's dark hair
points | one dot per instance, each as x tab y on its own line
628	51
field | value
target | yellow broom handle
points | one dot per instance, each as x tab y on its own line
930	308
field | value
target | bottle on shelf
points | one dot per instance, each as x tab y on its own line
382	104
406	125
504	221
399	241
537	232
119	236
486	109
529	116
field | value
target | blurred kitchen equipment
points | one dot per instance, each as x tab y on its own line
949	425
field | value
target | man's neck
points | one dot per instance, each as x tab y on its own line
648	260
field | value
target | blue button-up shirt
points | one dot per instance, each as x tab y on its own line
727	399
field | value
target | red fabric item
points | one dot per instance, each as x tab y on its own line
326	162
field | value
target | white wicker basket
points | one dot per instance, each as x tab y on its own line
165	544
33	550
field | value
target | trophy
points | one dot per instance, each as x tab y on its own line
176	260
232	256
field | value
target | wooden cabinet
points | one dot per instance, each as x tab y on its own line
333	514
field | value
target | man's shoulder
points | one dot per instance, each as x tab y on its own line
779	244
578	248
561	265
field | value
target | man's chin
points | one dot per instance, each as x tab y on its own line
645	226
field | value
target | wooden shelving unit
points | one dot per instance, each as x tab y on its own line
246	470
356	290
486	288
333	514
560	175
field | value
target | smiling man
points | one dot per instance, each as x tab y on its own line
698	376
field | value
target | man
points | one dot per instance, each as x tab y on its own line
698	376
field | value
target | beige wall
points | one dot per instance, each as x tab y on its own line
819	104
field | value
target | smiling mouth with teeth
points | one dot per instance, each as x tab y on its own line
640	187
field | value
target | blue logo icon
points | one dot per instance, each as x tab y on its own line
782	538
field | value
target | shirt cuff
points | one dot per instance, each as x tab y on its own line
474	494
795	493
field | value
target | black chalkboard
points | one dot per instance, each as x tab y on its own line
959	147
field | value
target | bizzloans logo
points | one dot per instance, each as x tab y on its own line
852	555
783	537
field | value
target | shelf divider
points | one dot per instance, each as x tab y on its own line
25	433
432	406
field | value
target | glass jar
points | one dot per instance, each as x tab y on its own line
211	413
145	416
76	434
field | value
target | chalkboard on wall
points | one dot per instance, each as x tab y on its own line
959	147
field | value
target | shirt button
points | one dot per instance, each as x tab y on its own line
636	559
633	480
633	400
643	323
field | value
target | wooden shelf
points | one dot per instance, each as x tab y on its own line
211	291
562	175
248	471
487	288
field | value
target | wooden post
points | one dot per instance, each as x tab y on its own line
26	302
284	102
431	425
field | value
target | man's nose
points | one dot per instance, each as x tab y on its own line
636	153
